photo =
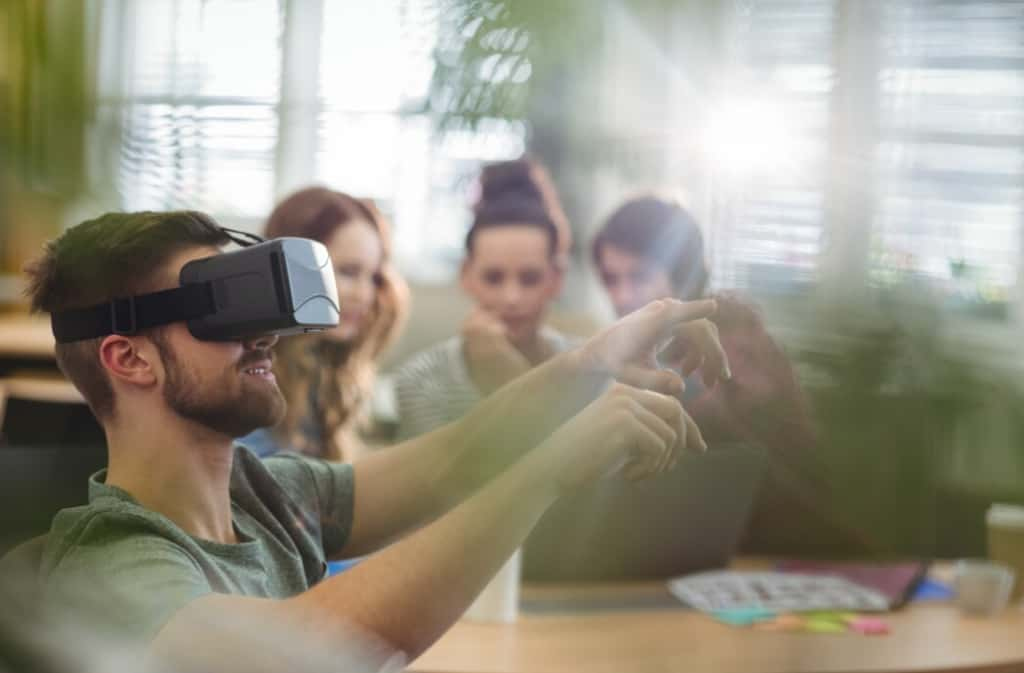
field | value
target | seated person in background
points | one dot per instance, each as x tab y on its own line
512	271
186	530
326	378
651	248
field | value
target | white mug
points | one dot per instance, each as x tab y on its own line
499	601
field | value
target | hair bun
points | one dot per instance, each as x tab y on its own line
521	191
521	180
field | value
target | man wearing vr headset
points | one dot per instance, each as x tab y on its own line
170	340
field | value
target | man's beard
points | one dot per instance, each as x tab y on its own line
255	406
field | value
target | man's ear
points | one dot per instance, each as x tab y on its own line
129	360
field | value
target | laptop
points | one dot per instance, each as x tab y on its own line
683	521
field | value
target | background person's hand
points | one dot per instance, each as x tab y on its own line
656	345
697	347
493	360
629	431
484	327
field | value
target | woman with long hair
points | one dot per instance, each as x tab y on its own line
327	378
515	253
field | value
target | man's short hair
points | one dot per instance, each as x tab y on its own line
114	255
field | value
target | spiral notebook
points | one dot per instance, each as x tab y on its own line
896	581
802	586
775	592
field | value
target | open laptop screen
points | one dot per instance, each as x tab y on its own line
689	519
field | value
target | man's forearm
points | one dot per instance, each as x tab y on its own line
410	592
405	486
515	418
413	482
406	595
396	593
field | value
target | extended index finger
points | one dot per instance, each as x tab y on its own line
674	313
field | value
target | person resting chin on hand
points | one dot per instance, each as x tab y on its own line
491	358
512	272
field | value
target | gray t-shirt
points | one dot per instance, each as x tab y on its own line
290	513
434	386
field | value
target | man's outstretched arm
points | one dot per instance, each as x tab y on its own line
410	593
411	483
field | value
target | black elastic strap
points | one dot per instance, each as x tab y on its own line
128	315
243	238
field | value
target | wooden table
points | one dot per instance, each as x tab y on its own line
658	637
24	336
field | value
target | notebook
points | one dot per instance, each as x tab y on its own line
896	581
775	592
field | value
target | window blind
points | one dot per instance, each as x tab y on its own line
198	105
376	65
769	200
951	153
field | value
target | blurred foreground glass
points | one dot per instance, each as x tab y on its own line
1006	540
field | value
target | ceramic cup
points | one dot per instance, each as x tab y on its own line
982	587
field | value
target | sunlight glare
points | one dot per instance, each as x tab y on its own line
748	137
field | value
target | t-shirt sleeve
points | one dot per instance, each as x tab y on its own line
136	582
320	486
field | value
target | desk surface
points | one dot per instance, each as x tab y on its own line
924	637
26	337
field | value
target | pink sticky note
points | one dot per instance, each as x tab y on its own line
869	626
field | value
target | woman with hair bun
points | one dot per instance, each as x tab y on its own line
513	270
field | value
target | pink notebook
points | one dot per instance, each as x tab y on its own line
896	581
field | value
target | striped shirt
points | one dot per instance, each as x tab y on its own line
434	386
